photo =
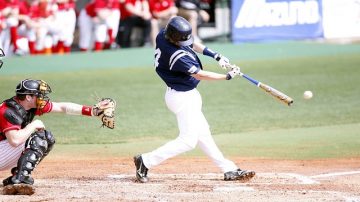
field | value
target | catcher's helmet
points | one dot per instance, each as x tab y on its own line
178	31
39	88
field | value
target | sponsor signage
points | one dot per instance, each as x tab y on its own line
341	18
259	20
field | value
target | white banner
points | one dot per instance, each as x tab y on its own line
341	18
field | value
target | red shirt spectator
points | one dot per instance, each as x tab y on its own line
124	12
93	7
160	5
8	3
28	9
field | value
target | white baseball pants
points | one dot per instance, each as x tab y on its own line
194	130
90	31
9	155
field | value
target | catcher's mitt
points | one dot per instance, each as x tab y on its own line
105	110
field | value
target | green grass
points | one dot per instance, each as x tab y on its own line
244	120
298	143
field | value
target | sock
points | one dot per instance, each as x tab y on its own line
98	46
32	47
67	49
13	36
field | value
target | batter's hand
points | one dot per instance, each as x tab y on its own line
233	72
223	61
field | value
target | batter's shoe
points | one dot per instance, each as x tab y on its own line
241	175
19	189
141	170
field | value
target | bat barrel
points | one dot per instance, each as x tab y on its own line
270	90
277	94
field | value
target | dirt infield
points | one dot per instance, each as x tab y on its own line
195	179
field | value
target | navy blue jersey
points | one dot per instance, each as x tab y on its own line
175	64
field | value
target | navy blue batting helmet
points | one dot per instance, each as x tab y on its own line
178	31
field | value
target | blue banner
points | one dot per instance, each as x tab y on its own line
262	20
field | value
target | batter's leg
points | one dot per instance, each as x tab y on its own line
209	147
186	106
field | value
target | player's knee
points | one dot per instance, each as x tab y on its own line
190	142
37	142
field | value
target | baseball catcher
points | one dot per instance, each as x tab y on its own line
24	140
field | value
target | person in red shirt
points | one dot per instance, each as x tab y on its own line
162	11
134	13
66	20
24	140
112	23
93	24
9	11
29	19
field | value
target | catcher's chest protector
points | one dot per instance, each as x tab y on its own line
16	114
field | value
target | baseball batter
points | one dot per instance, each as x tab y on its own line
24	142
180	68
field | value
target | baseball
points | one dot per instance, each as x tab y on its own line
308	95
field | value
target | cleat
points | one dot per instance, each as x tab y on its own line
241	175
13	180
141	170
7	181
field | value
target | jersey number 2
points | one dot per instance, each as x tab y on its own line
157	56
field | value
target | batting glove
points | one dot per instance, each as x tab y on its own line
232	73
223	61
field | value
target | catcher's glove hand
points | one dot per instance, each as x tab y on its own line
105	110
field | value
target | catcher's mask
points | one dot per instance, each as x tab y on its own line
39	88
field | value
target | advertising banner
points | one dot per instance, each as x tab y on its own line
261	20
341	18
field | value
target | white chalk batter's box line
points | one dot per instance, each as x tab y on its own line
299	179
246	187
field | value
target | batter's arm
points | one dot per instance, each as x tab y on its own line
211	76
202	49
199	47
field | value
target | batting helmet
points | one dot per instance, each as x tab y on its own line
178	31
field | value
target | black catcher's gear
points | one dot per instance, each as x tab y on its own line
36	148
39	88
32	87
16	114
178	31
141	170
241	175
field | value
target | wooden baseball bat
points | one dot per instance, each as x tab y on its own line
270	90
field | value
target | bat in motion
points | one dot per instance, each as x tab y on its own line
270	90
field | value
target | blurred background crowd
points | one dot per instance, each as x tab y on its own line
62	26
